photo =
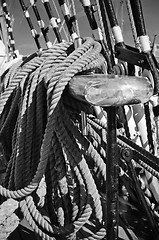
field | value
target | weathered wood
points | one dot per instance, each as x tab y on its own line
111	90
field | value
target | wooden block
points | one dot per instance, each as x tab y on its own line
110	90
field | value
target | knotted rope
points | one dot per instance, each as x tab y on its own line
43	142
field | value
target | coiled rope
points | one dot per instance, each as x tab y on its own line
45	143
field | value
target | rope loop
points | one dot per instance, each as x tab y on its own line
45	148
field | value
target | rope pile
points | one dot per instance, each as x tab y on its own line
40	131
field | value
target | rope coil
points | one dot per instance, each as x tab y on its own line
46	144
46	141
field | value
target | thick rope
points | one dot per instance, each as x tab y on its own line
47	145
46	141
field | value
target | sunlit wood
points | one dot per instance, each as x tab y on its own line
111	90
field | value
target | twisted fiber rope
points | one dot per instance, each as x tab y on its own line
11	112
98	135
76	224
2	188
101	233
77	194
30	66
73	64
42	226
32	112
27	67
88	148
84	216
98	235
68	191
9	175
79	224
38	176
23	123
144	165
31	221
70	185
7	123
123	144
35	137
49	198
124	176
10	73
72	150
60	190
99	154
50	125
95	64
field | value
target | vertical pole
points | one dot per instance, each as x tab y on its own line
69	21
53	20
33	31
40	23
112	176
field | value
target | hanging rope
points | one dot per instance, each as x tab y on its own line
43	143
47	141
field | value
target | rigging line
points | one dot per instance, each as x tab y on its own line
116	30
55	8
68	19
121	14
100	18
40	23
64	30
74	14
9	29
144	40
62	27
107	32
53	20
132	24
97	34
33	31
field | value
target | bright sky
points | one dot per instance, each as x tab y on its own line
25	44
